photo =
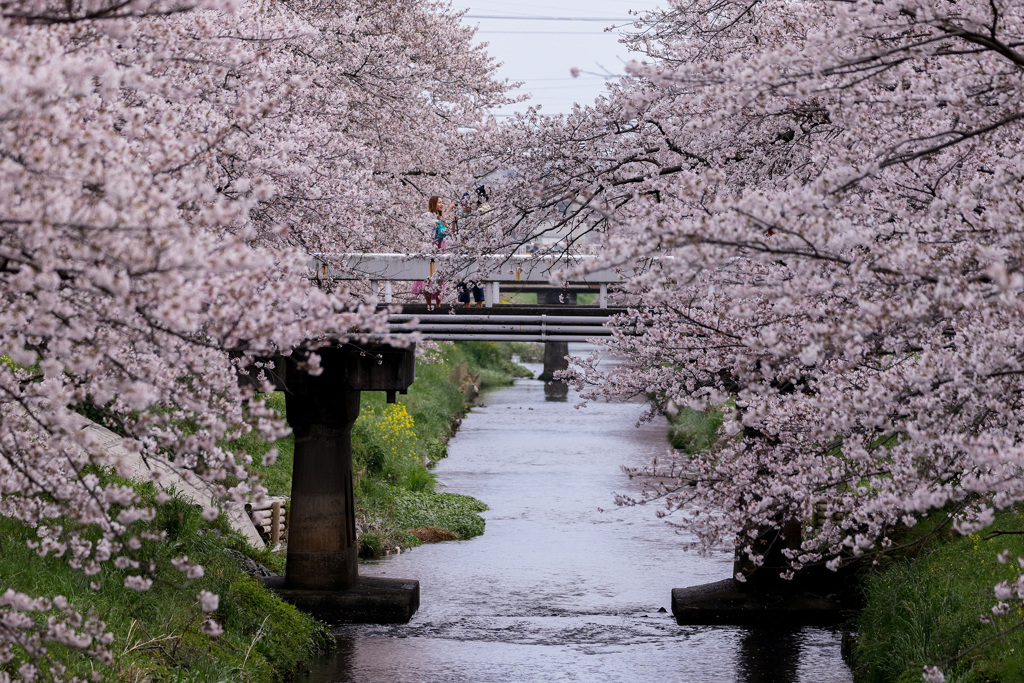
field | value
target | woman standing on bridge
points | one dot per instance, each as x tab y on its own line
436	207
432	291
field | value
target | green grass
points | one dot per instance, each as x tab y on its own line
492	362
157	636
519	298
530	298
452	511
694	431
277	477
925	610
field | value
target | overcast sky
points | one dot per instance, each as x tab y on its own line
539	42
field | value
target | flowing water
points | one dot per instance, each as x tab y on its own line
563	586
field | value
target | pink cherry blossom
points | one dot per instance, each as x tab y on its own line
208	601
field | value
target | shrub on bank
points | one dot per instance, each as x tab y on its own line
694	431
452	511
385	447
527	352
492	363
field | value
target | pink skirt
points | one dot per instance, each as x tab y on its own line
421	287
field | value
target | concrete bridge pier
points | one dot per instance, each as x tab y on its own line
555	352
322	570
815	596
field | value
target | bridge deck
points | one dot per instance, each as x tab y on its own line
523	272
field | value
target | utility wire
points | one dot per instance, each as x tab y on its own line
581	77
540	18
544	33
578	86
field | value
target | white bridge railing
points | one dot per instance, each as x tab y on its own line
491	270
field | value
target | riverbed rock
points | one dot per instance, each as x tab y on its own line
249	565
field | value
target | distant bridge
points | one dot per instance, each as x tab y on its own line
542	323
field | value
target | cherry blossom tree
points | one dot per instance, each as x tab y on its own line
818	208
167	168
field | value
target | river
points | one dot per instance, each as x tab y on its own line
563	586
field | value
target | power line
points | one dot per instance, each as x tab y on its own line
545	33
540	18
578	86
581	77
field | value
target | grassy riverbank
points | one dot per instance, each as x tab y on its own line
399	503
926	609
157	633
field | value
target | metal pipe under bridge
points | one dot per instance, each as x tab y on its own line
553	323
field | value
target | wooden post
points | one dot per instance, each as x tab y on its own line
275	523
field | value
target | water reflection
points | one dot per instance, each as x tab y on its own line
556	390
556	589
768	655
337	668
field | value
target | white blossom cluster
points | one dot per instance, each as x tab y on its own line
21	630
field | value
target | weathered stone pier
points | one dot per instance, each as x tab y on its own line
322	571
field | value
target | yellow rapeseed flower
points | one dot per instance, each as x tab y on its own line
393	427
